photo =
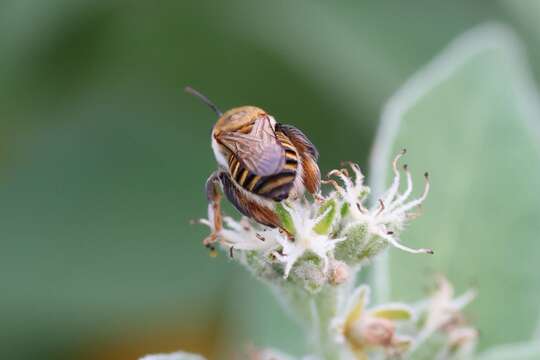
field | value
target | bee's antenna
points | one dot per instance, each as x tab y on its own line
204	99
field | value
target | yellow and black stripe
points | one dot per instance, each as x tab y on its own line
275	187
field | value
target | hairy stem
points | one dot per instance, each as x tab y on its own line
324	307
315	312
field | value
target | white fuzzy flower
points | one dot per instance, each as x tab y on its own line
304	220
444	314
301	215
386	219
443	310
242	235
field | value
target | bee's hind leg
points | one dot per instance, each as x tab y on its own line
247	206
214	208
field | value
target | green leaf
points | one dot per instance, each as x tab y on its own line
324	226
471	118
285	218
344	209
522	351
393	312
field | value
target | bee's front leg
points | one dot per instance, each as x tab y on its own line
214	207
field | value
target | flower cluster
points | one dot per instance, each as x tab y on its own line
327	235
397	329
435	328
363	329
311	264
443	320
371	230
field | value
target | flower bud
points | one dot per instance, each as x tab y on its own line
308	272
339	272
376	332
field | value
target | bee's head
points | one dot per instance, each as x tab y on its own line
237	118
233	119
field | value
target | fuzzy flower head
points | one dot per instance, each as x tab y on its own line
322	238
441	316
364	330
444	311
241	235
370	229
309	226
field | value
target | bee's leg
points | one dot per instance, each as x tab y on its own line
290	236
246	205
214	208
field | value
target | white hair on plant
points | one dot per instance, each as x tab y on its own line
393	208
306	239
241	235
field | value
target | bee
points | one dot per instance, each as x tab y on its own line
261	162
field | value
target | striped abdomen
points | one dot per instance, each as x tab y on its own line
274	187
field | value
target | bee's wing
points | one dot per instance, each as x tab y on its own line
311	175
259	151
299	139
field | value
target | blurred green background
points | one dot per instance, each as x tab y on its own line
104	158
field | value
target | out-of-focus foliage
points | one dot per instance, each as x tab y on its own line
520	351
484	157
103	158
